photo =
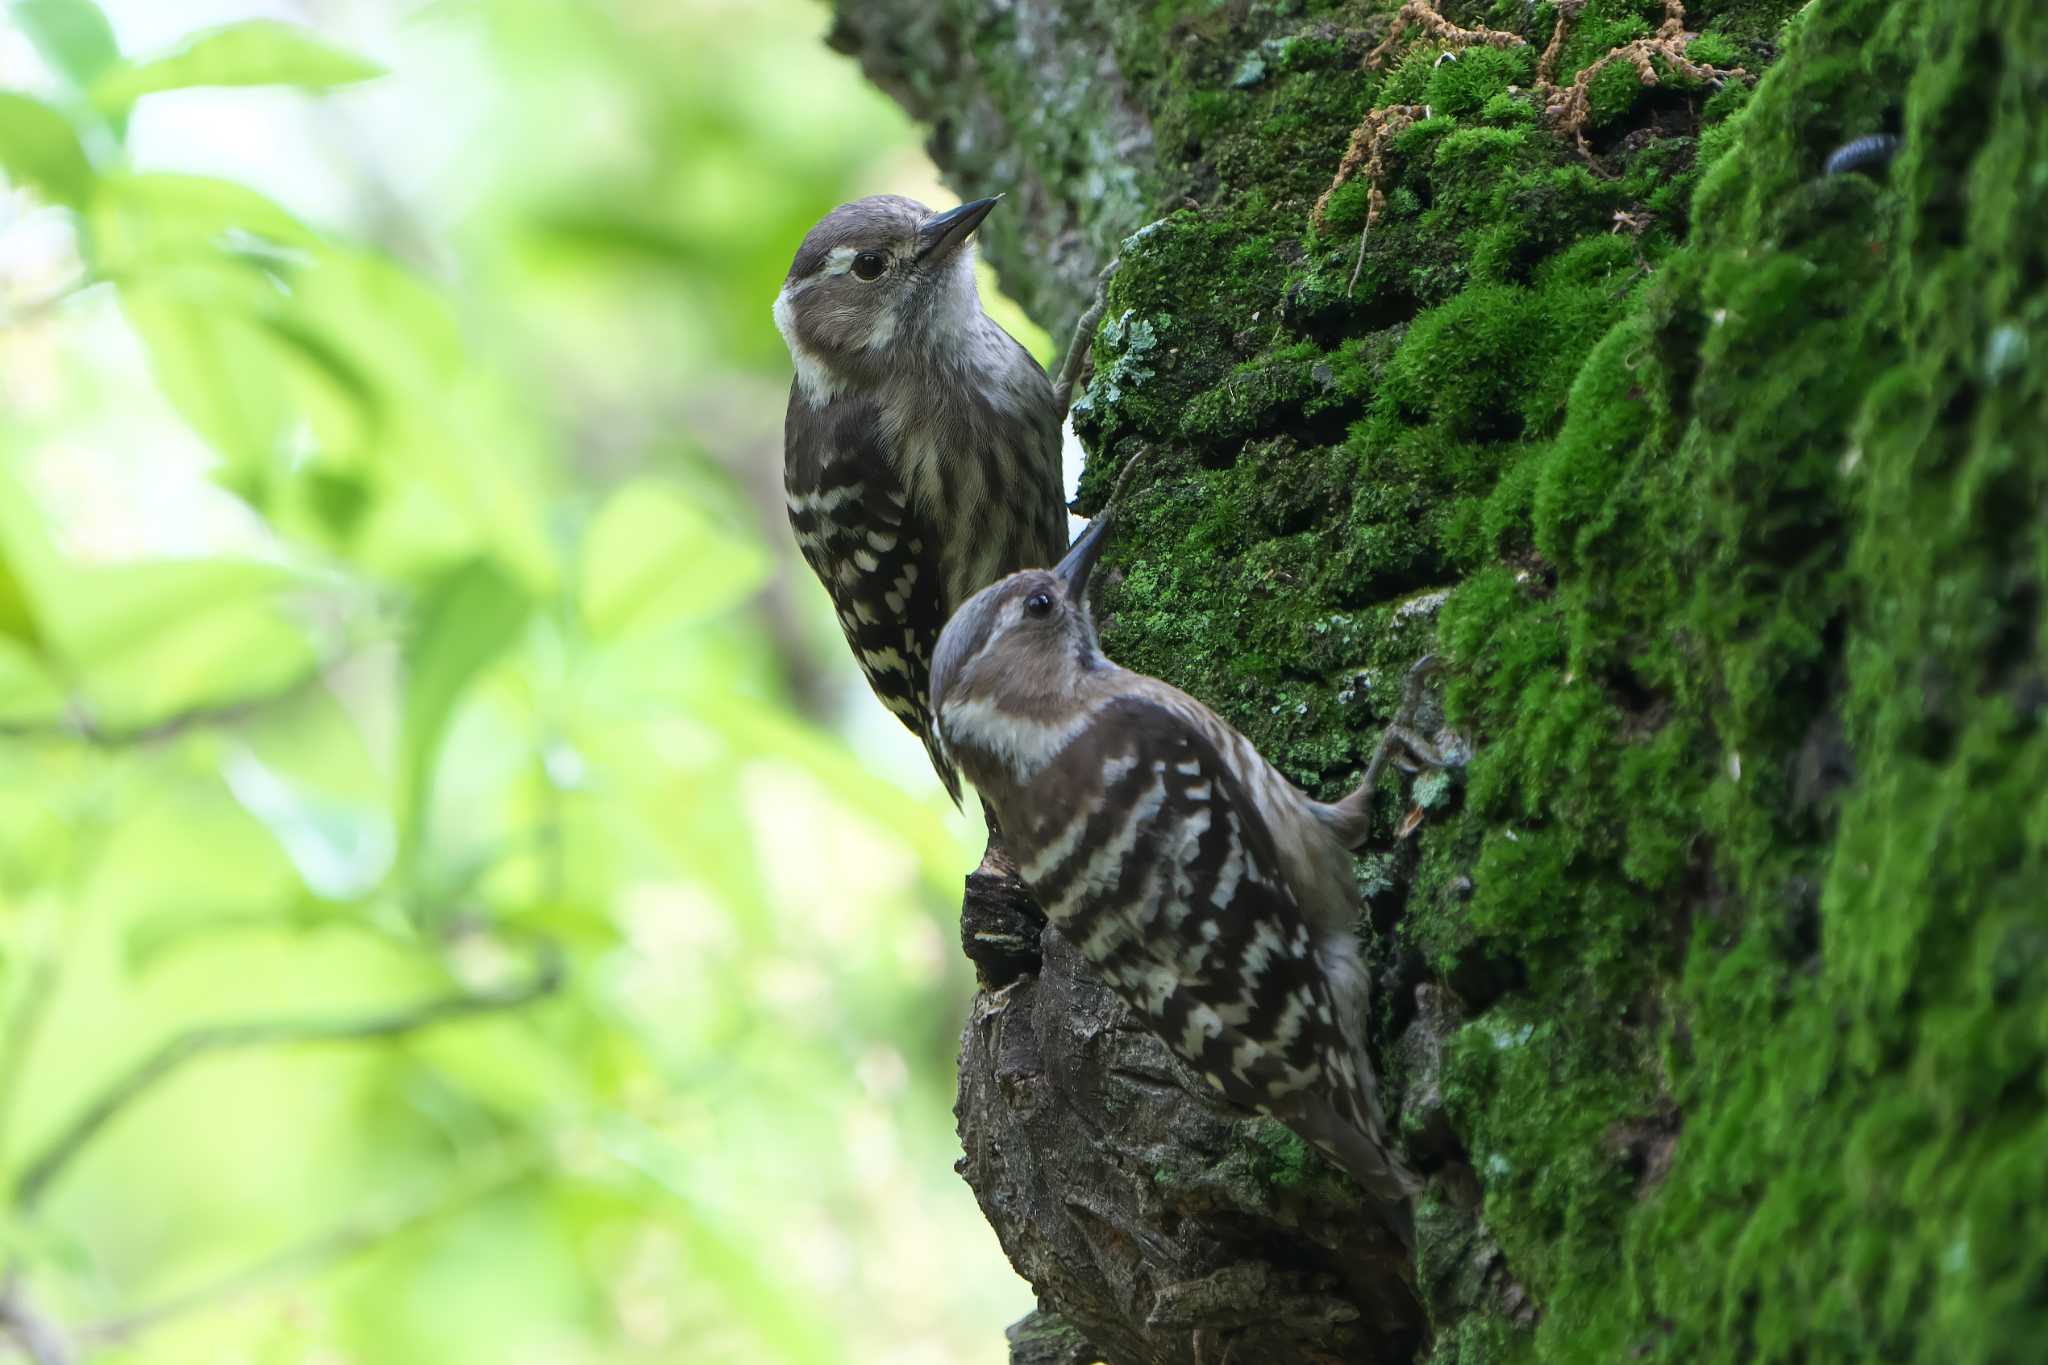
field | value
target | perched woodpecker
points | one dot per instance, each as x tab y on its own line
1214	896
921	448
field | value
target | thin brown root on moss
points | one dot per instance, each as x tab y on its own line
1358	264
1367	152
1423	16
1570	107
1546	65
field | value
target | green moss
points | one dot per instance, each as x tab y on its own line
1714	49
1732	507
1509	110
1612	94
1277	1159
1478	74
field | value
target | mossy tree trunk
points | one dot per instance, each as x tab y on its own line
1714	988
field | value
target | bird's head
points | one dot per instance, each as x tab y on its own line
1025	646
874	280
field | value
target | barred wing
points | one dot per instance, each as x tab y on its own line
1144	847
857	531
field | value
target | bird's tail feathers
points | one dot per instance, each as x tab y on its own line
1360	1146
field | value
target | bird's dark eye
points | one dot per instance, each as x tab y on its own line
869	265
1039	604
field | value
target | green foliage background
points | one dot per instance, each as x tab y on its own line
426	827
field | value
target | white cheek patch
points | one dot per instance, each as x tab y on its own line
838	261
812	377
1023	745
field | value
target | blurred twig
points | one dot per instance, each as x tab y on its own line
38	1175
1083	341
40	1338
44	305
79	724
345	1239
23	1023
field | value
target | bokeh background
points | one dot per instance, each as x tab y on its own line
457	903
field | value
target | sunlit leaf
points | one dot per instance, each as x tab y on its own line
39	148
28	689
619	237
73	36
395	326
341	849
150	639
142	639
464	622
17	621
756	1290
143	220
160	938
26	557
221	369
258	52
652	555
576	736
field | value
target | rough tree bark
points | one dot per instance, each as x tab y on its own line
1711	990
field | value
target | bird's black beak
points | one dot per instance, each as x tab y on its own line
939	234
1073	570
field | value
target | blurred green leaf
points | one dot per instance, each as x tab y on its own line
143	639
17	621
159	938
399	330
654	556
73	36
143	220
146	640
602	752
208	271
340	849
39	148
25	557
220	369
28	689
463	622
751	1284
258	52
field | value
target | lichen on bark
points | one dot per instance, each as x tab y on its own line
1711	994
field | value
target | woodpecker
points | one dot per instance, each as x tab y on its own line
921	447
1214	896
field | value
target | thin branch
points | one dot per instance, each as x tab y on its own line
39	1337
177	1051
348	1238
23	1024
45	305
1083	341
79	725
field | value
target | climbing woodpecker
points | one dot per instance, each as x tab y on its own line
921	448
1214	896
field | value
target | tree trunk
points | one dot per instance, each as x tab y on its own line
1711	988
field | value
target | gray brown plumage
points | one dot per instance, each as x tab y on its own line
1215	897
922	442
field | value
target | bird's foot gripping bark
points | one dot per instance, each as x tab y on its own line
999	922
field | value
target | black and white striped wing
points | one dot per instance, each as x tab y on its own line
855	525
1149	855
